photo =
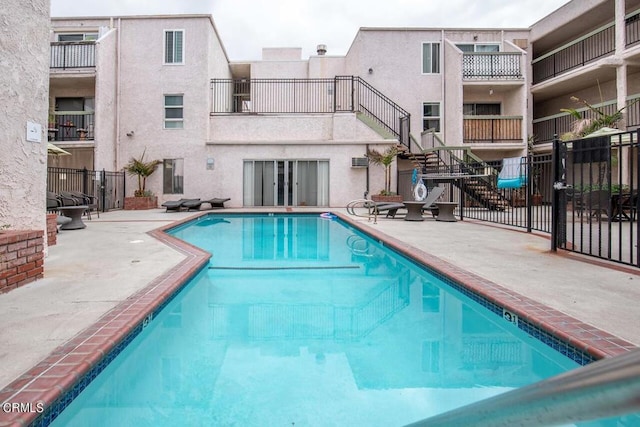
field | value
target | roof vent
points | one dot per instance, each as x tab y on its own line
322	49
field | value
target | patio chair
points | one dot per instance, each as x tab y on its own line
177	205
595	203
53	201
87	199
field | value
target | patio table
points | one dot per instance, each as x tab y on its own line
75	213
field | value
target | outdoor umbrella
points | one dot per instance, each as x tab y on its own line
56	151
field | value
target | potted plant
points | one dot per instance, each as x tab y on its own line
384	159
141	169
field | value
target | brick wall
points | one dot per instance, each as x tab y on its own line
52	229
21	258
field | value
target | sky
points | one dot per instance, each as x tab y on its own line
246	26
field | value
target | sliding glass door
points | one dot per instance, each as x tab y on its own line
286	183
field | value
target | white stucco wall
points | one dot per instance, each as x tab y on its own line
24	85
106	90
144	80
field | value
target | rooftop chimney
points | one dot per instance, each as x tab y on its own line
322	49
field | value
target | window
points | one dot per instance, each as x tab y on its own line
470	47
173	46
481	109
77	37
173	112
430	58
172	176
431	116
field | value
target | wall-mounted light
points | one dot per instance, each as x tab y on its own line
490	92
130	133
475	38
370	70
210	163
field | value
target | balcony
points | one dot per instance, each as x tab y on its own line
72	126
575	54
494	65
73	55
311	96
492	130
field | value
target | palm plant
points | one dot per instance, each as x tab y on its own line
385	159
142	169
584	126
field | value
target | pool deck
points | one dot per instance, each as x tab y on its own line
91	271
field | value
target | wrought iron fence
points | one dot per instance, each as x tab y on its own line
495	65
106	186
81	54
300	96
597	211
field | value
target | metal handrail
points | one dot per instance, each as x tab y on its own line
607	388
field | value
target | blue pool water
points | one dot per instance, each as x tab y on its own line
303	321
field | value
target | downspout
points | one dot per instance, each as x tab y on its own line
118	62
366	192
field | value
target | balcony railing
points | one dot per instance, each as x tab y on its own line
72	127
632	29
301	96
576	54
545	128
485	129
502	65
66	55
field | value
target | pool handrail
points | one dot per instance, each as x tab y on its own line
607	388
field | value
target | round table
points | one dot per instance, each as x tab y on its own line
445	211
414	211
75	213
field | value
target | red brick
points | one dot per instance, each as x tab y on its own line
38	271
16	278
26	267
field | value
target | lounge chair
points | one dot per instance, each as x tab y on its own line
390	208
430	200
177	205
216	203
192	205
53	201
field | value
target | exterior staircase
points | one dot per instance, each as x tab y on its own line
442	160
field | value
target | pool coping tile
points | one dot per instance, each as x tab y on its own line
67	370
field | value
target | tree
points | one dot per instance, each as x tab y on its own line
142	169
584	126
384	159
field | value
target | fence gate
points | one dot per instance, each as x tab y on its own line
595	197
107	187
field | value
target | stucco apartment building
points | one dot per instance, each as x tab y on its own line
288	131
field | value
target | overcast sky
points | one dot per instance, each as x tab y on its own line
246	26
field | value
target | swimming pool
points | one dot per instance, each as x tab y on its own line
302	321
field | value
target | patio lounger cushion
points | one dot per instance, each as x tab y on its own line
192	204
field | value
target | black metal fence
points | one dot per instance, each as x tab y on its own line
596	205
299	96
108	187
492	65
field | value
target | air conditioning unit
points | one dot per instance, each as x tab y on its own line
359	162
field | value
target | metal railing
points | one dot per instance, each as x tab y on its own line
632	29
576	54
76	126
545	128
482	129
494	65
107	187
302	96
65	55
607	388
